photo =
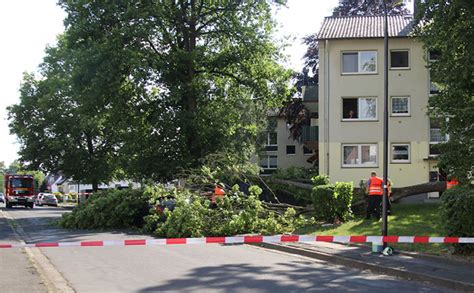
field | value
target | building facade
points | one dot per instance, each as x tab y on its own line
351	101
281	151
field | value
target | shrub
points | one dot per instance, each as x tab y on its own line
320	180
109	209
72	196
59	196
233	214
323	202
343	193
457	210
332	202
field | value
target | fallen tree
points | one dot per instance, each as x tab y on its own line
398	192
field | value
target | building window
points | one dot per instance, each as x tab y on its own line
400	106
399	59
436	136
400	153
433	55
359	62
359	108
307	151
271	144
268	162
359	155
290	150
434	90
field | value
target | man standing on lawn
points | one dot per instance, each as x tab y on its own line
375	192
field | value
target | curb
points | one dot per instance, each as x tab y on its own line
421	255
345	261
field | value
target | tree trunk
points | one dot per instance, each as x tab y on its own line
90	150
399	193
95	185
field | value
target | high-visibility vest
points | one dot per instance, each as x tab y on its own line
219	191
376	186
451	183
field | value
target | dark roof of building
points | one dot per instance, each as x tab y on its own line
362	27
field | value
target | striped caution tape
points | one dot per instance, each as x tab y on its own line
250	239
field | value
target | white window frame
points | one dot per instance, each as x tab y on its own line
400	161
268	162
358	108
399	114
358	62
359	155
435	142
400	68
432	85
268	140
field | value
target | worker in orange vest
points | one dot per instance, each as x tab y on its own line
375	192
213	195
451	183
218	192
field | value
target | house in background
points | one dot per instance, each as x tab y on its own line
351	101
281	150
60	183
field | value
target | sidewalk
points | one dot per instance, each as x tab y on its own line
446	273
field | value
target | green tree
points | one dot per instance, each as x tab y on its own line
203	73
146	88
14	167
64	121
369	7
446	30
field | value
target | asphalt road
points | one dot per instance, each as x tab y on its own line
209	268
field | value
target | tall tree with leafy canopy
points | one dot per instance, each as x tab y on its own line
445	27
65	120
160	84
206	70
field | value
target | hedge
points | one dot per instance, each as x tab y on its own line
457	213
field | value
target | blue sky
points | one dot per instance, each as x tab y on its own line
28	26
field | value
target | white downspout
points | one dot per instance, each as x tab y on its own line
326	104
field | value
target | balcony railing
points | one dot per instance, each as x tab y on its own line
310	133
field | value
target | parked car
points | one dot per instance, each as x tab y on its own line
46	199
2	197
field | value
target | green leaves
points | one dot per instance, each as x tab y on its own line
144	88
457	209
446	29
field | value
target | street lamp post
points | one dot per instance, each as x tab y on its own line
385	129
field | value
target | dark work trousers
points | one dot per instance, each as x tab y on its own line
373	207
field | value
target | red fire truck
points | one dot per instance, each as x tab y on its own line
19	190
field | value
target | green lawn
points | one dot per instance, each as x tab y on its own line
406	220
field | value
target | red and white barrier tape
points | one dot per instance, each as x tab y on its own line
251	239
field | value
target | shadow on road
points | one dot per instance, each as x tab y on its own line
293	276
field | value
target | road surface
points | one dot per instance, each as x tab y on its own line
209	268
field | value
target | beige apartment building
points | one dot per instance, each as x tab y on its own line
281	150
351	101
